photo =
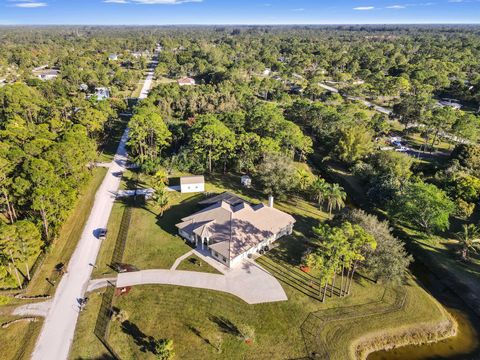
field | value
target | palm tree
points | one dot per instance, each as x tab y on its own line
320	189
304	179
468	239
161	198
335	197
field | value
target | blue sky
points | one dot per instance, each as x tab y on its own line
162	12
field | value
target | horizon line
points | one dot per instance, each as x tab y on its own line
248	24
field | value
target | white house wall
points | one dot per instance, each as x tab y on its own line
191	188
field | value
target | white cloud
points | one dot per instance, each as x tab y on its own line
298	9
116	1
30	4
164	2
363	8
396	7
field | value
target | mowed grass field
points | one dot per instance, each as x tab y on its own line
17	340
202	323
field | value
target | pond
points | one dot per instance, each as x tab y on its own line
465	345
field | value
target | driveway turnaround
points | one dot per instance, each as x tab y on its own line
58	329
33	309
248	281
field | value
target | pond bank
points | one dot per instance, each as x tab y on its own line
465	345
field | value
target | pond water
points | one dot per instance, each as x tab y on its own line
465	345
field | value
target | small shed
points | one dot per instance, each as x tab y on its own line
246	180
190	184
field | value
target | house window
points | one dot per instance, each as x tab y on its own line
224	259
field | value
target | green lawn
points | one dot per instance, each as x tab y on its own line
18	340
202	321
152	242
194	263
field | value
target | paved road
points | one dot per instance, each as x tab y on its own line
249	282
378	108
58	330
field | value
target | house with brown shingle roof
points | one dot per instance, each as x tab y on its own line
186	81
231	232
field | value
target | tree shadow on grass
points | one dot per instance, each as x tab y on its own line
198	333
174	214
225	325
144	342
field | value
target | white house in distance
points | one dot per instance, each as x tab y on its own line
186	81
102	93
190	184
113	57
48	74
231	232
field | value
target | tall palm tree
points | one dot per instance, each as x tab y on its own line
468	239
335	197
320	189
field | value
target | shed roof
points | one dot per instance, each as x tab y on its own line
185	180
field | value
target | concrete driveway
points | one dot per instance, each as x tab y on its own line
249	282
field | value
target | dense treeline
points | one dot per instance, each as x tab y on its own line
259	107
51	131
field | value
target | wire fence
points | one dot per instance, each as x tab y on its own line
102	325
122	236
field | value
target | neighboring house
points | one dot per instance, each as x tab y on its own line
233	232
83	87
186	81
113	57
450	103
102	93
49	74
267	72
246	180
189	184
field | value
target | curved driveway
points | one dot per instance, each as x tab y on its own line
249	282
